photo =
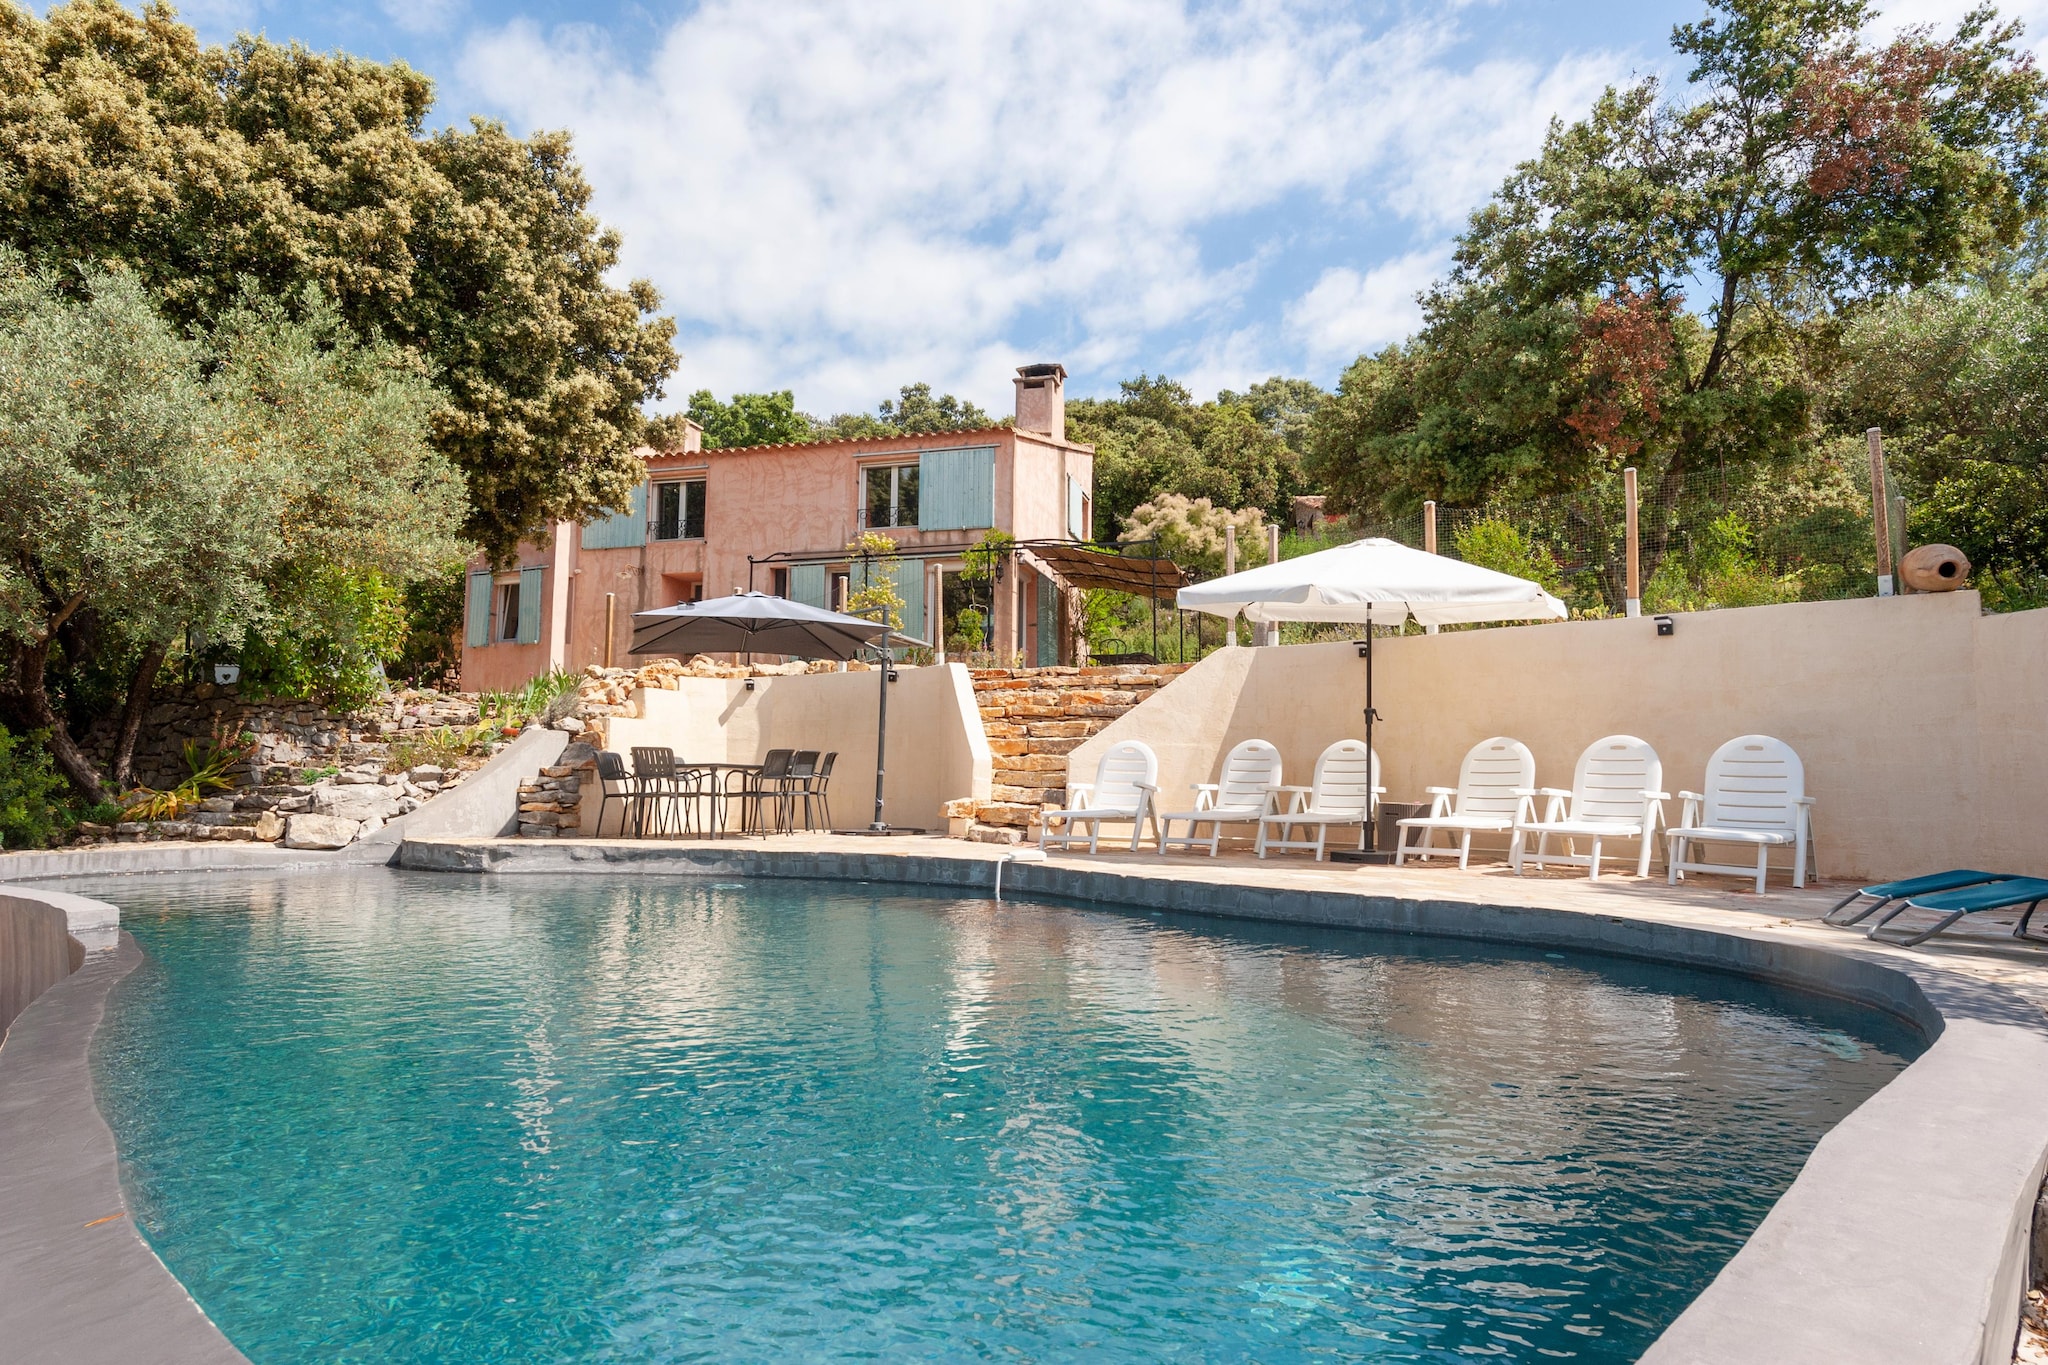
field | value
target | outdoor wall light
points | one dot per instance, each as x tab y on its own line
1364	649
894	675
750	684
1666	626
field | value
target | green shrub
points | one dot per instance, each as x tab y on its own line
31	815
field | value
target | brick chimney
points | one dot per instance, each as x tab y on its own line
1042	400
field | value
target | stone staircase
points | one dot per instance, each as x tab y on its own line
1033	718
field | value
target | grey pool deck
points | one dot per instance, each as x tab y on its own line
1903	1240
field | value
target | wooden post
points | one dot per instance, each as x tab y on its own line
1428	542
1269	633
1880	511
611	625
1229	568
1633	592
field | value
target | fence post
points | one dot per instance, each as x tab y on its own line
1632	604
1229	568
1880	511
1269	633
611	625
1429	540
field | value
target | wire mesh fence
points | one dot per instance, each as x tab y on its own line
1706	539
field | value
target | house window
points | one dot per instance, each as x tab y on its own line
890	495
508	612
779	582
679	510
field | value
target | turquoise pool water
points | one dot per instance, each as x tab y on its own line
391	1117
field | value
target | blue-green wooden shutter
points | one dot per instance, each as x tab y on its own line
622	531
1075	525
807	584
479	610
909	579
1048	622
956	489
529	606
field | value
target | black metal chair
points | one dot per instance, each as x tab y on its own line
661	784
763	790
801	770
816	793
611	770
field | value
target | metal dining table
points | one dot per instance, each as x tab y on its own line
721	775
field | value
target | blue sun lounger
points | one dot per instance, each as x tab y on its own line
1968	900
1884	893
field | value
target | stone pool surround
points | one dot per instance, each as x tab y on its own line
1939	1169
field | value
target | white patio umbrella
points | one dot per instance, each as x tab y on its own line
1374	583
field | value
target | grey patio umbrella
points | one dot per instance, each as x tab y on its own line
758	623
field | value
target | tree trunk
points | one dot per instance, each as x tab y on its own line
32	696
132	711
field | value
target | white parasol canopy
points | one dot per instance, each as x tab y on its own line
1381	582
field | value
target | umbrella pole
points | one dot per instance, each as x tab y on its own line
881	739
1371	852
1371	754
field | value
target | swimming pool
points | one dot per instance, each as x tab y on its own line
399	1117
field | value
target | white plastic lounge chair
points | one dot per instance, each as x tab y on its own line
1242	796
1346	787
1616	793
1491	798
1756	796
1126	785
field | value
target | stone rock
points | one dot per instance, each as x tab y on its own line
269	827
217	805
130	827
356	802
426	772
320	831
348	779
292	805
232	833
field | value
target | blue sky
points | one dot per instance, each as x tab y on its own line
841	198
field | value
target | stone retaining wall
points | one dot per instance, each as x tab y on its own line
1033	718
291	737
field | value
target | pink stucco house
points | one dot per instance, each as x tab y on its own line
777	519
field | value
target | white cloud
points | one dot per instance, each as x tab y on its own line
1944	15
423	16
1347	313
842	198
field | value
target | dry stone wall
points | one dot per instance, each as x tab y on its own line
315	779
1033	718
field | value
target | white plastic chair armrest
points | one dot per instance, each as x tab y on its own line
1806	801
1079	794
1439	791
1656	796
1691	796
1527	791
1554	791
1206	794
1151	787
